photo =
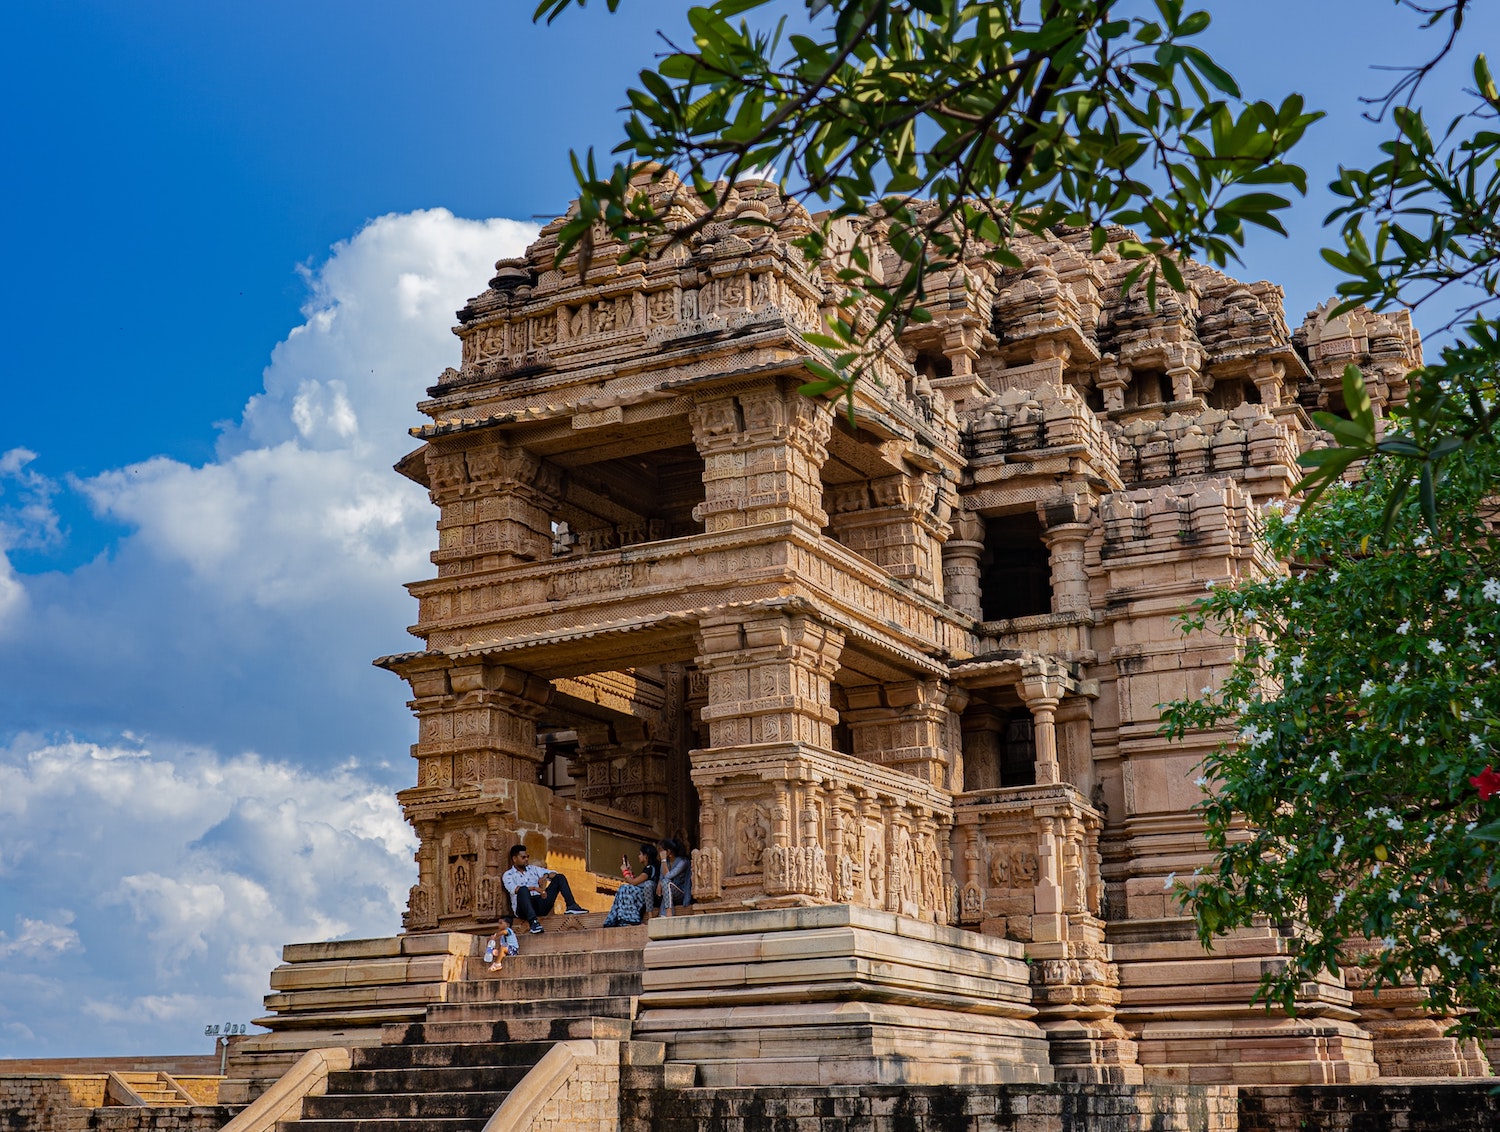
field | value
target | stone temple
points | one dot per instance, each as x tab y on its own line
891	667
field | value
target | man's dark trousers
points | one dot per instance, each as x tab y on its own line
530	907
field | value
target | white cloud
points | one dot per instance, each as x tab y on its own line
185	871
39	939
245	601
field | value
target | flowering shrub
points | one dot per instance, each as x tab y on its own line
1358	798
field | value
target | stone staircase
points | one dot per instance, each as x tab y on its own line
147	1090
451	1071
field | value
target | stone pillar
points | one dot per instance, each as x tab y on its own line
770	732
618	766
1112	382
763	454
901	726
1066	529
961	569
497	504
1267	374
769	676
478	765
1041	689
897	522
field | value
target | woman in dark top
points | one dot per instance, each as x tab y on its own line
633	900
676	887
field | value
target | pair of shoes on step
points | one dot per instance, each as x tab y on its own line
536	927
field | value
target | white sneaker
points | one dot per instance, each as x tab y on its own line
577	912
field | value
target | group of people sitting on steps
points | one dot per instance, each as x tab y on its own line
664	881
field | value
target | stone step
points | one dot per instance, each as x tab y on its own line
560	988
509	1029
555	1020
558	963
423	1124
575	933
449	1079
403	1106
446	1055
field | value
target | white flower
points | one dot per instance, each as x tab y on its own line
1404	628
1431	837
1333	757
1297	663
1323	779
1437	647
1447	953
1201	782
1338	901
1390	942
1395	895
1338	845
1372	812
1208	585
1451	593
1249	615
1170	881
1206	690
1296	605
1469	827
1375	870
1476	741
1367	688
1405	739
1419	541
1491	589
1333	575
1395	823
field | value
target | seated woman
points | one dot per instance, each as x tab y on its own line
676	887
633	900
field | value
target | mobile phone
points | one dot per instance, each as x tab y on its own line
625	866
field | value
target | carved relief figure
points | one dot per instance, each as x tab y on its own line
1000	868
661	307
544	330
751	832
604	318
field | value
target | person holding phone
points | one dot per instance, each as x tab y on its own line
633	900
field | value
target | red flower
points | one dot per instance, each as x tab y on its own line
1488	783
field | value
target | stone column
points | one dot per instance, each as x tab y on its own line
497	504
897	522
1041	689
961	570
478	763
763	453
901	726
1267	374
1066	531
770	731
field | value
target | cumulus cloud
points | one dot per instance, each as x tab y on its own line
27	522
245	601
147	879
169	880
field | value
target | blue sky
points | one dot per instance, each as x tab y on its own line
235	236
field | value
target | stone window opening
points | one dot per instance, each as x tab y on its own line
640	498
1015	569
999	746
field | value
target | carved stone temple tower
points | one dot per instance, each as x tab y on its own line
891	672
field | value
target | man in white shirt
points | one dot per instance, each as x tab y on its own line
534	890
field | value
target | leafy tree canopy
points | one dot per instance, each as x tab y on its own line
1009	115
1360	799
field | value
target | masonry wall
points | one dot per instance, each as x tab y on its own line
75	1103
1427	1106
971	1108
